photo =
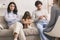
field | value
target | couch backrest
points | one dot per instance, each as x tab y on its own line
3	22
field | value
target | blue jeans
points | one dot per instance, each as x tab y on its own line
41	26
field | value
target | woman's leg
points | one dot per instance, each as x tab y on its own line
21	32
17	28
15	36
40	29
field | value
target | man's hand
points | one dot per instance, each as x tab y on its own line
41	17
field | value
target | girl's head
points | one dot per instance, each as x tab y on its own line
12	7
27	15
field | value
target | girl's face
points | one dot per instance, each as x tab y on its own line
12	7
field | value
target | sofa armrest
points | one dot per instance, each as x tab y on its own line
6	33
1	27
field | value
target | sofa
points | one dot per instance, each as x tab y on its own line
6	34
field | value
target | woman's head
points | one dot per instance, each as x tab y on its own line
27	15
12	7
38	4
55	1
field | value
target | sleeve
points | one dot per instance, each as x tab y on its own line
52	18
19	17
34	17
6	16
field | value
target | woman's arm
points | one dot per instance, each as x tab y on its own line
7	18
19	17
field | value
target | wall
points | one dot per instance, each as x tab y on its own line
25	5
3	6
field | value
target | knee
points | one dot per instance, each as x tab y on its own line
19	24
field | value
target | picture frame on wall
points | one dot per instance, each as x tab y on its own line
4	3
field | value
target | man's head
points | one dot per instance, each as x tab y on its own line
38	4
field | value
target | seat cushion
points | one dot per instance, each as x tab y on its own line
31	31
28	32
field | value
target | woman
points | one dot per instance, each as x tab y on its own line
26	20
55	13
40	19
13	20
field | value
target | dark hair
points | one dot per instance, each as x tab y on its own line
14	11
38	2
27	15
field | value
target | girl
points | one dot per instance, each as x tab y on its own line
12	18
26	20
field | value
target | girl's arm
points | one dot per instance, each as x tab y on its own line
28	21
24	21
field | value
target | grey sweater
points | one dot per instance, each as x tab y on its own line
55	13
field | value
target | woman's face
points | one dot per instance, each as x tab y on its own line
12	7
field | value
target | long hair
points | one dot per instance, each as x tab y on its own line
14	11
26	15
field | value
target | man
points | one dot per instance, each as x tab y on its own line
40	19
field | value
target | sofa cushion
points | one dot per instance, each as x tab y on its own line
3	22
5	32
31	31
28	32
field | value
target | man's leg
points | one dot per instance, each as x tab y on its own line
40	29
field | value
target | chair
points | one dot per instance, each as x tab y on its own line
55	32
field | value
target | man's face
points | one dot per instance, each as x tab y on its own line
39	6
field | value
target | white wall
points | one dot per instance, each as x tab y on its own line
3	6
25	5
